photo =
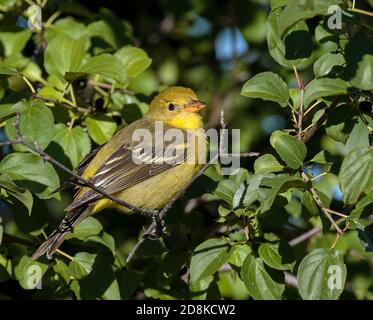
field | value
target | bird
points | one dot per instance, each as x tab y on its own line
149	184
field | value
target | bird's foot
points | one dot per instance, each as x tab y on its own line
159	230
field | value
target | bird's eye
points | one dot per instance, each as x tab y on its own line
171	107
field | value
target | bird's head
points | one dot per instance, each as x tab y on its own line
178	107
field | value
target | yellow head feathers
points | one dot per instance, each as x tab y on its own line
178	107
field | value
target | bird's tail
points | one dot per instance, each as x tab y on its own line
56	238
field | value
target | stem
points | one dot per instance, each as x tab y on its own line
62	253
319	176
364	12
336	213
109	87
51	19
29	85
66	104
321	205
311	107
71	90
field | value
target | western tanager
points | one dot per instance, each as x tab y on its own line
150	184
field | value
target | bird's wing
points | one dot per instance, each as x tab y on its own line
119	171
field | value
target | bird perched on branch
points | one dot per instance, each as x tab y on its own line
148	184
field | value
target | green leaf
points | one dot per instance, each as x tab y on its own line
356	174
174	261
309	204
64	54
66	27
279	256
27	167
36	125
272	186
325	87
298	43
364	73
87	268
50	93
226	190
14	42
21	194
326	63
30	273
88	227
82	264
321	275
366	237
105	65
101	128
74	142
10	108
128	283
208	257
291	150
134	60
300	11
259	282
104	239
359	60
267	86
62	269
275	4
239	254
340	122
248	192
276	46
359	137
7	70
102	30
267	163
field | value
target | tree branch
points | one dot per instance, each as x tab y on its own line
65	105
308	135
46	157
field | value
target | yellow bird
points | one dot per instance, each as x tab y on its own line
150	184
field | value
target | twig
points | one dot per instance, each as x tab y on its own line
29	84
367	13
65	105
64	254
304	236
324	209
308	135
300	85
109	87
163	212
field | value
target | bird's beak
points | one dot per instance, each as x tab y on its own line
194	106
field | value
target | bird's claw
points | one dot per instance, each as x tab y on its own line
159	230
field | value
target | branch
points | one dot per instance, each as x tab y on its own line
304	236
108	86
308	135
65	105
324	209
46	157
